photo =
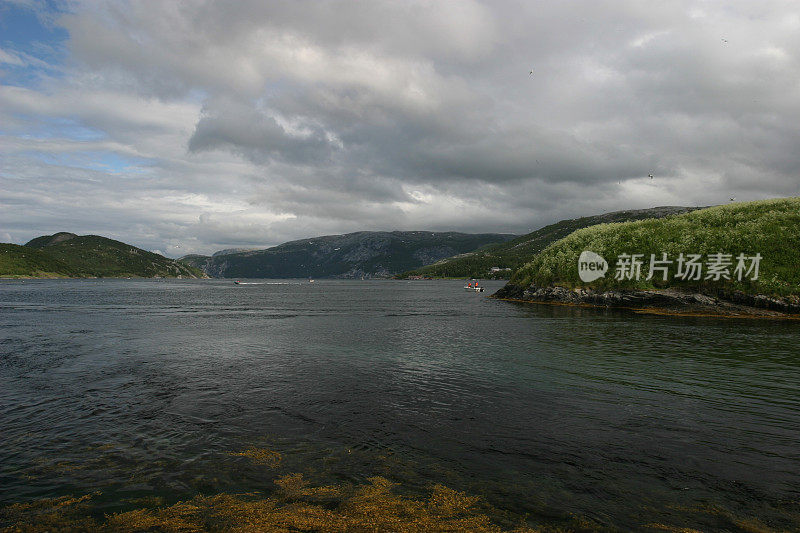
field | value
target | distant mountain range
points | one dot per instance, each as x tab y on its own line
68	255
227	251
508	256
367	254
364	254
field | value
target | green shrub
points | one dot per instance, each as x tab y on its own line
768	227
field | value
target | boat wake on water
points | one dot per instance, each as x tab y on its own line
265	283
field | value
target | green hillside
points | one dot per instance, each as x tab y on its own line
49	240
69	255
368	254
770	228
21	261
509	256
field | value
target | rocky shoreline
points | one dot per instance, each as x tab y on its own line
666	301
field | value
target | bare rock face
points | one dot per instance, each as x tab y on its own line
431	254
214	269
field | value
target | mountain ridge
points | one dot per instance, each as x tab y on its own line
368	254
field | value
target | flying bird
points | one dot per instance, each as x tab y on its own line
531	73
733	198
650	176
724	40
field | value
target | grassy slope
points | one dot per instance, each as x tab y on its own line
47	240
21	261
93	255
195	260
515	253
769	227
86	256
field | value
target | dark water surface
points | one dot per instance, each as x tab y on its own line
136	387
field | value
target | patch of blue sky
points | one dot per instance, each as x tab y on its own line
25	23
38	127
30	33
30	73
99	161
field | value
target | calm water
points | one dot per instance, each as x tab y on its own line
145	387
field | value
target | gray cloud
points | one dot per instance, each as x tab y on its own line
257	122
258	136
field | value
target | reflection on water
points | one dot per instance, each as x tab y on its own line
166	390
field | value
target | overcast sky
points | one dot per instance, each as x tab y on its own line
188	127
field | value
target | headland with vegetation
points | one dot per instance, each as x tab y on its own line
735	259
500	260
67	255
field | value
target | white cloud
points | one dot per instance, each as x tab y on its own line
10	58
191	126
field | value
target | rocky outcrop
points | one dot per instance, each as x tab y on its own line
728	303
431	254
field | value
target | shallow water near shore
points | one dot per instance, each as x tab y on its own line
552	415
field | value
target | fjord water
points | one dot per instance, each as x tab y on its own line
140	387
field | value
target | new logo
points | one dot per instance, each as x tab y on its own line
591	266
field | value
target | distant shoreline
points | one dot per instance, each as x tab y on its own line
669	302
